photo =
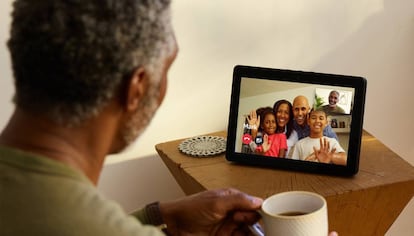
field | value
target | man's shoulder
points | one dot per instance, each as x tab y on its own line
301	131
340	109
57	203
68	209
328	128
329	132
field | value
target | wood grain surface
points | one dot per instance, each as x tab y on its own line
365	204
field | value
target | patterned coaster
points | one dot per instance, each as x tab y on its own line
203	146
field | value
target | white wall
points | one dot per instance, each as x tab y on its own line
6	84
370	38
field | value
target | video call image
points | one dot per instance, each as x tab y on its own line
299	121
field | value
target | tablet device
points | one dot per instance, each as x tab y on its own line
323	137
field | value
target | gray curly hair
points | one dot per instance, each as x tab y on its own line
70	57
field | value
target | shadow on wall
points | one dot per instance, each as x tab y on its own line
137	182
382	50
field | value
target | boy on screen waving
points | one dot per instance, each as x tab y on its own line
317	147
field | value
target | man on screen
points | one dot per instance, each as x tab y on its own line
301	110
332	108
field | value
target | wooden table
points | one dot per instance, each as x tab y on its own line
365	204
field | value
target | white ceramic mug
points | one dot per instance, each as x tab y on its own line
295	213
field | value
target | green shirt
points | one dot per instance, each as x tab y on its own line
333	111
40	196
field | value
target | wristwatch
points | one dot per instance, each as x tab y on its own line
155	217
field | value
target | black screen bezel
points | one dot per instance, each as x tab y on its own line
357	116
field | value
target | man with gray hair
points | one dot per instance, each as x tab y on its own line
332	107
301	110
89	76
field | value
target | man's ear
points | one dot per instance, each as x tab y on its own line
135	89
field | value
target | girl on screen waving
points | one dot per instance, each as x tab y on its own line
274	144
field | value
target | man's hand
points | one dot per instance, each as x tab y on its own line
216	212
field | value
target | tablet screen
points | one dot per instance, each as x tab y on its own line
296	120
